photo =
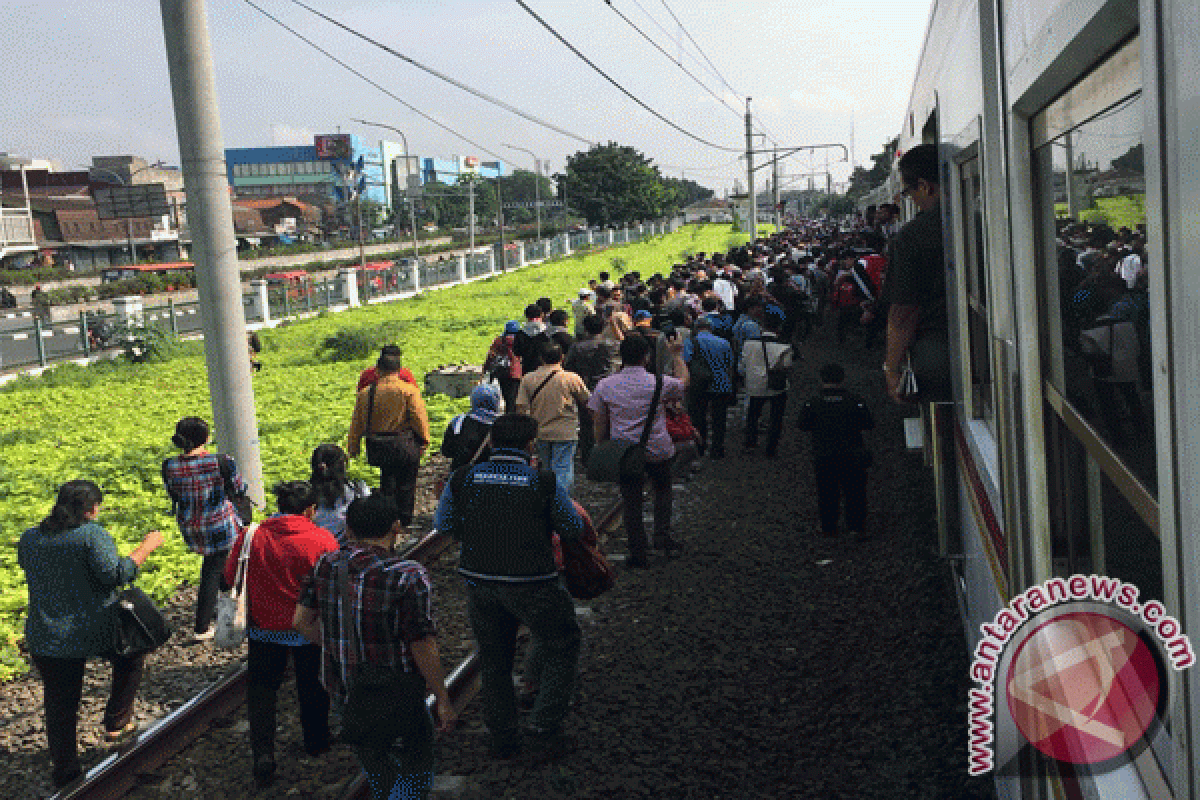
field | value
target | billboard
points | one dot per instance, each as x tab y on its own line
471	164
128	202
334	146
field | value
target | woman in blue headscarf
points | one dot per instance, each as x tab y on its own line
466	433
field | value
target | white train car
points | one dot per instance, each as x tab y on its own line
1054	118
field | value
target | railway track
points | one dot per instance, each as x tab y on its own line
117	775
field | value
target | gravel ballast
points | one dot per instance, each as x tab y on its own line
763	663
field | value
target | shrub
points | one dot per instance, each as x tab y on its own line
354	344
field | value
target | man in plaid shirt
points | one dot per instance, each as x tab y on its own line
372	612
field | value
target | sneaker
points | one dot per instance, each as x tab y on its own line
204	636
113	737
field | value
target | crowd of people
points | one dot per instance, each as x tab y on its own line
658	360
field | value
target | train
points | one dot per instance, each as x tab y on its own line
1066	139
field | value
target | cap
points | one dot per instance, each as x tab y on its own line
586	292
638	316
512	326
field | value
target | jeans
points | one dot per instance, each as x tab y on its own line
698	405
266	664
62	680
836	479
631	494
559	458
774	422
206	594
403	769
495	610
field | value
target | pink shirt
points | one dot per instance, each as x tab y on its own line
625	397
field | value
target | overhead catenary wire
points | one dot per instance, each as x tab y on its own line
444	77
378	86
623	90
679	64
711	66
700	50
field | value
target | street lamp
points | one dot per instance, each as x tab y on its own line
537	186
124	182
412	212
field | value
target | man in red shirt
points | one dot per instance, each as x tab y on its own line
371	374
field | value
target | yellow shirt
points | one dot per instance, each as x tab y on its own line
398	407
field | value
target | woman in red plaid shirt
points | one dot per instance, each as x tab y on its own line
198	482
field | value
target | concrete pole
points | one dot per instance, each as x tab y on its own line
753	199
775	188
210	214
471	211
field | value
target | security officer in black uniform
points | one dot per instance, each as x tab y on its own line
837	417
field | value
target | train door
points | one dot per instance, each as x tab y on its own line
1089	177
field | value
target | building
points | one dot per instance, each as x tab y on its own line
320	170
66	226
713	209
449	170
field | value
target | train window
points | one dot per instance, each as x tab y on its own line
1089	175
975	272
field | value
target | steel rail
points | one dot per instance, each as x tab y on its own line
117	774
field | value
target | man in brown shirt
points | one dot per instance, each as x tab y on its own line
398	407
553	397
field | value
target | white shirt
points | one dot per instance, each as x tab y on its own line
726	291
1130	268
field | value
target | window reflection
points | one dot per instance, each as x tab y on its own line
1092	186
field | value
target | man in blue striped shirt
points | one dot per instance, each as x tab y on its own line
710	364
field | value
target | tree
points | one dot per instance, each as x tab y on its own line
863	180
613	184
1134	160
520	188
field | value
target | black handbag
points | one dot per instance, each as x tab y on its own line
393	449
777	379
620	460
241	501
140	626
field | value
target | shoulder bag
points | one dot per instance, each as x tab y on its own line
140	626
586	573
231	605
620	460
393	449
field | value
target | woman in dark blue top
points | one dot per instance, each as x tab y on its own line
73	572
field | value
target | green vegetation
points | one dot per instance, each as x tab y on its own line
111	423
1124	211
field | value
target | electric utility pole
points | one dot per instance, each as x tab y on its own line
210	212
753	204
775	187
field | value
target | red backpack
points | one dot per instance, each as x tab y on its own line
846	295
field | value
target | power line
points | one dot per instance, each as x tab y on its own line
625	91
442	76
698	49
679	64
351	69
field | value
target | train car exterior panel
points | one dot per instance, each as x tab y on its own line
1053	117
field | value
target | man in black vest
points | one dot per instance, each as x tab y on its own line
504	511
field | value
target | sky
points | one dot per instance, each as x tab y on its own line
91	79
